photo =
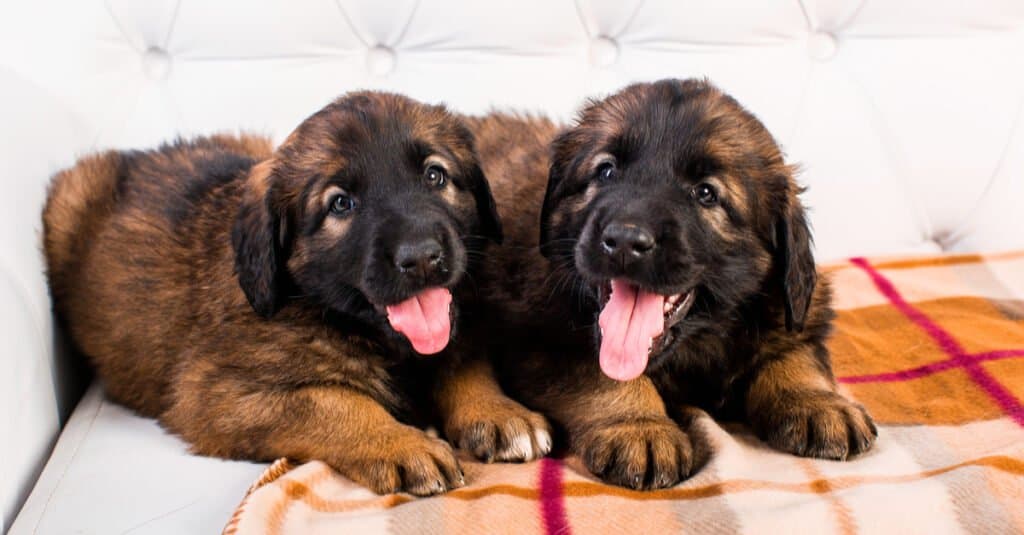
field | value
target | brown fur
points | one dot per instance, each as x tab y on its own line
755	353
542	352
149	253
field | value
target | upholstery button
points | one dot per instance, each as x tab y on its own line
603	51
156	63
940	240
380	60
822	46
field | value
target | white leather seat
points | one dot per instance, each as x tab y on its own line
113	472
906	116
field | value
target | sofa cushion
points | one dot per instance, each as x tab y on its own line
115	472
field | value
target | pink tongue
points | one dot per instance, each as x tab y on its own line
628	322
423	319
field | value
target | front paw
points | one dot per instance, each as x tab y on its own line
824	425
638	454
410	461
500	430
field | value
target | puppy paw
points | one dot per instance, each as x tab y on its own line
409	462
500	430
824	425
638	454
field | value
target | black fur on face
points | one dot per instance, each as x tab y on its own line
675	188
370	201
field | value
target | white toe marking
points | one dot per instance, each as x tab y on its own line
521	448
543	439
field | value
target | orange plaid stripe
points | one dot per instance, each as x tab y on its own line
956	355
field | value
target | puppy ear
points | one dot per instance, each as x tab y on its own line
554	177
556	173
795	262
487	210
256	239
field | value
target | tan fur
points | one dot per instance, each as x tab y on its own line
481	419
717	219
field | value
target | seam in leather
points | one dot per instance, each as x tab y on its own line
120	27
894	152
812	24
961	229
632	18
408	23
74	454
25	295
170	27
583	20
351	26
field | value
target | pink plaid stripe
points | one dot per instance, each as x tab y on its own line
958	358
552	499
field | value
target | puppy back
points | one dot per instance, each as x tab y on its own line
79	200
513	152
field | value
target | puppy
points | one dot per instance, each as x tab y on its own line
673	271
265	303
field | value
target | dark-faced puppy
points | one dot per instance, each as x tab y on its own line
367	206
274	303
533	316
678	210
678	273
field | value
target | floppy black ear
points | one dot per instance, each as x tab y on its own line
795	261
554	177
256	239
557	171
486	209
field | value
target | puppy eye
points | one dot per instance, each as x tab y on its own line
705	194
436	176
606	170
341	204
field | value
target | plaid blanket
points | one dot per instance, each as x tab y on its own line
932	346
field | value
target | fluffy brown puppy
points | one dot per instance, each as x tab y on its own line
676	273
269	303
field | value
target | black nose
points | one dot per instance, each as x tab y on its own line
423	257
626	239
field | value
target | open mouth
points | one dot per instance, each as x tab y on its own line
424	319
634	324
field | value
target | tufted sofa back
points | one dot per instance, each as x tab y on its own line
905	114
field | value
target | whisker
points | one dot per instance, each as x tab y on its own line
472	281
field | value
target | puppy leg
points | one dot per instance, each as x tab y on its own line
345	428
619	429
478	417
793	405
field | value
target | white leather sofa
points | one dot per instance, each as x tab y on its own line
906	116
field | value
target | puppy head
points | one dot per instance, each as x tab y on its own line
676	205
369	208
